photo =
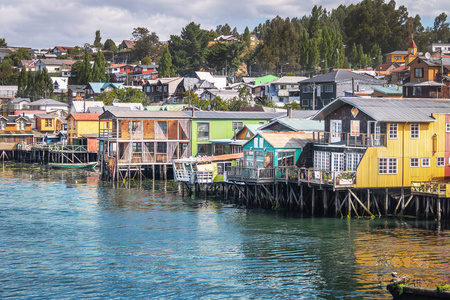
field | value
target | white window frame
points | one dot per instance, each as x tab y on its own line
415	133
425	162
440	161
387	166
393	131
414	162
353	125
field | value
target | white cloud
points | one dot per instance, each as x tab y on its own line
46	23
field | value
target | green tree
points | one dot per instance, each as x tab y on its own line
84	71
5	71
22	83
246	37
165	64
243	100
17	56
376	56
97	40
99	69
124	95
219	104
146	61
223	30
194	99
441	28
3	42
188	51
110	45
147	44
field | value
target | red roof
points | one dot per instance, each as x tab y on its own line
84	116
401	68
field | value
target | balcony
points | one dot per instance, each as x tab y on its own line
347	139
334	179
436	188
253	175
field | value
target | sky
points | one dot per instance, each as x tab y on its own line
49	23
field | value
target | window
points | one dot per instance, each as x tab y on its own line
440	161
397	58
21	125
354	131
417	91
425	162
418	72
415	131
203	149
447	127
163	126
322	160
414	162
48	122
307	89
2	125
393	130
133	126
305	102
387	166
329	88
237	126
203	131
161	147
353	160
137	147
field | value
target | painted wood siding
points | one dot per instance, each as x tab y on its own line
432	144
218	129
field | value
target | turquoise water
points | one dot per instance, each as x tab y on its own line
65	234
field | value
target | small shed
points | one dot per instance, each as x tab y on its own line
275	149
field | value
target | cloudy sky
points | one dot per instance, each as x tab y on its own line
47	23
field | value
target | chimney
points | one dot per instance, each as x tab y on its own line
289	112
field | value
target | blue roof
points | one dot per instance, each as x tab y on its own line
98	87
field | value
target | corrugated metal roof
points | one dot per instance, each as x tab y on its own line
298	124
340	76
236	115
391	109
389	90
144	114
84	116
291	140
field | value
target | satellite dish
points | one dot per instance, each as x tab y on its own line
427	55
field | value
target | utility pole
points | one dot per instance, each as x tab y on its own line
314	97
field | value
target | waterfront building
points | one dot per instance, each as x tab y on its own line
81	124
384	143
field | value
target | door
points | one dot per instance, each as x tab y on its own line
335	131
373	134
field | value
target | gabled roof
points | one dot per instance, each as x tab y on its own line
13	119
76	88
287	140
289	80
385	66
296	125
98	87
79	106
204	84
143	114
340	76
84	116
235	115
398	52
49	102
55	61
47	116
390	109
18	100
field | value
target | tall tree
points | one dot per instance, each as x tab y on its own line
84	71
246	37
110	45
99	69
147	44
22	83
3	42
98	39
188	50
5	71
165	64
441	28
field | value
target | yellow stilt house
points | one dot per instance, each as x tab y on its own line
386	142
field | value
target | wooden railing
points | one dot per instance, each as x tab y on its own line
430	187
258	175
68	148
358	140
